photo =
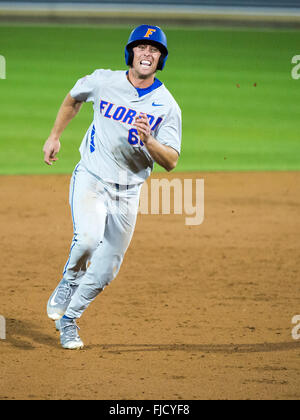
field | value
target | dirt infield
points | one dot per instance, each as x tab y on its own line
197	312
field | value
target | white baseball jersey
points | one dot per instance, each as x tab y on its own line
111	145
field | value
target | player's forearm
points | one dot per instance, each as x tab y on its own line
165	156
68	110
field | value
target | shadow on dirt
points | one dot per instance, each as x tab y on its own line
199	348
26	335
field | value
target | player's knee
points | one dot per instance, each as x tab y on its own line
111	271
88	243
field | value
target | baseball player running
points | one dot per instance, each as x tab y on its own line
136	122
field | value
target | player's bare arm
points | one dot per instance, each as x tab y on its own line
68	110
165	156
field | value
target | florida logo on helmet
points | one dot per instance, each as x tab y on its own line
150	32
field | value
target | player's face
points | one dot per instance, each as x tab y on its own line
145	61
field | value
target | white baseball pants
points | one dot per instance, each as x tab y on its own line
104	218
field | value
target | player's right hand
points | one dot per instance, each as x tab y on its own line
50	149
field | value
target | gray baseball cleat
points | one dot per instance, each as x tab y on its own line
60	299
69	337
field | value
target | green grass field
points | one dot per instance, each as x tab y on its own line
225	127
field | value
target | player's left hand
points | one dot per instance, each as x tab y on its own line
143	127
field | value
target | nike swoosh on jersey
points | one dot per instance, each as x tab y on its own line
154	104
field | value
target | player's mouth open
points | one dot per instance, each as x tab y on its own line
145	63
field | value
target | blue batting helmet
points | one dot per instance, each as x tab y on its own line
147	34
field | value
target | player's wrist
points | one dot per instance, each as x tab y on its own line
149	139
54	137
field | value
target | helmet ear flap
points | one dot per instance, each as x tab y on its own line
161	62
130	56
